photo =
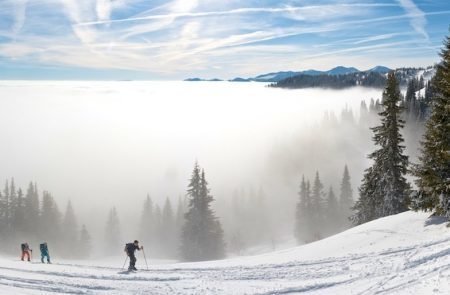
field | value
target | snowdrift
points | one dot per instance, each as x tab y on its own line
408	253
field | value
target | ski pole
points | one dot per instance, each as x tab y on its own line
126	258
143	252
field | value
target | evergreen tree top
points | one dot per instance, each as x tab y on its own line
433	170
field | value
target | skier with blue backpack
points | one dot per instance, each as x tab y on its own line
44	252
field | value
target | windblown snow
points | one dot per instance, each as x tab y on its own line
408	253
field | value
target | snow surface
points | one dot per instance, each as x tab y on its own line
408	253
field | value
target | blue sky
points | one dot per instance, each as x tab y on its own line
143	39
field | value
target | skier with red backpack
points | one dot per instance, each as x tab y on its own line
26	251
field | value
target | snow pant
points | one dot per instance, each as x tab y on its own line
45	255
26	253
132	261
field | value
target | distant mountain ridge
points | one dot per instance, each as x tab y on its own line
375	77
278	76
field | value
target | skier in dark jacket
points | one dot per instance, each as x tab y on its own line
26	251
44	252
130	248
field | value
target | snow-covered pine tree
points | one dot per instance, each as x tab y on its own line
394	164
112	233
365	207
384	190
433	169
215	235
202	235
345	199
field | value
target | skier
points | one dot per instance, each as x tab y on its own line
44	252
130	248
26	250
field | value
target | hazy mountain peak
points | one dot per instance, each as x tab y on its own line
380	69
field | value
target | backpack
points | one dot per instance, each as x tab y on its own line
130	248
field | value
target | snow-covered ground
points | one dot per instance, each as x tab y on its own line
407	253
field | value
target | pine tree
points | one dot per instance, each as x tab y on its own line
317	210
146	225
368	202
384	190
18	224
433	169
6	207
302	228
202	236
84	243
410	102
12	205
345	198
332	212
50	220
364	115
112	233
70	232
32	210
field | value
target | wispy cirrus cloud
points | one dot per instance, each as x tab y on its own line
20	14
210	38
300	13
417	17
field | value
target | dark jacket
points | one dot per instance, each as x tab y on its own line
130	248
43	248
25	247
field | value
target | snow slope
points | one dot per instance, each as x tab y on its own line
408	253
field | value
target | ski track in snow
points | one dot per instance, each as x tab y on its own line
420	264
